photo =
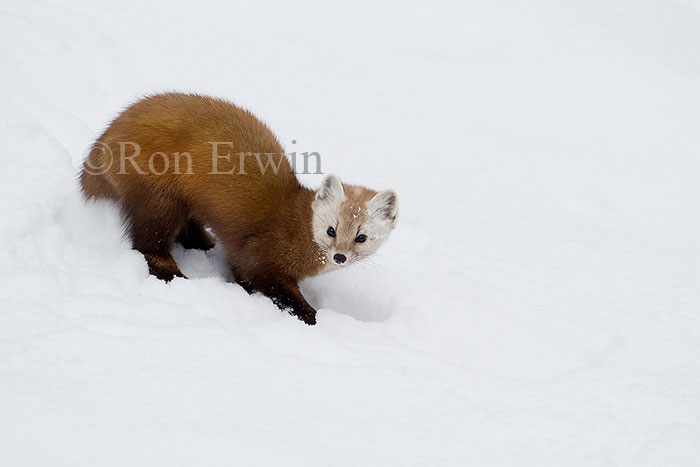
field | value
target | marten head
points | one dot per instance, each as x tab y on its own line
351	222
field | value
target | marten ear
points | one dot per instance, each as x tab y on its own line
331	189
386	205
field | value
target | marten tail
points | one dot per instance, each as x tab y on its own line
93	180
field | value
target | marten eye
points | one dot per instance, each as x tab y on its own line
331	232
361	238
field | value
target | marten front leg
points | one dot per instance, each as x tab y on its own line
285	294
288	298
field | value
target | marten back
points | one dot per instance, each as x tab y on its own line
156	141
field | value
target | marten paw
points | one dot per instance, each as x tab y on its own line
163	267
303	312
308	318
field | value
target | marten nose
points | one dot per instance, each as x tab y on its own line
338	258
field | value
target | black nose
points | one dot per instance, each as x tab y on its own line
338	258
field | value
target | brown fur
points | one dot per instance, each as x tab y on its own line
262	219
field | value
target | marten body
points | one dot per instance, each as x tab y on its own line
176	163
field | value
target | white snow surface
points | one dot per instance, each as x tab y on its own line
537	304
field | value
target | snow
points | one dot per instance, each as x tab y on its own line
538	303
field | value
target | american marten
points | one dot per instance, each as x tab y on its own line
177	163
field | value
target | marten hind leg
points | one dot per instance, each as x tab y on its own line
163	266
194	236
153	223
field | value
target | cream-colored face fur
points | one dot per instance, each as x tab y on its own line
353	213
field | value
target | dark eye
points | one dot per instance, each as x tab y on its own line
331	232
361	238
